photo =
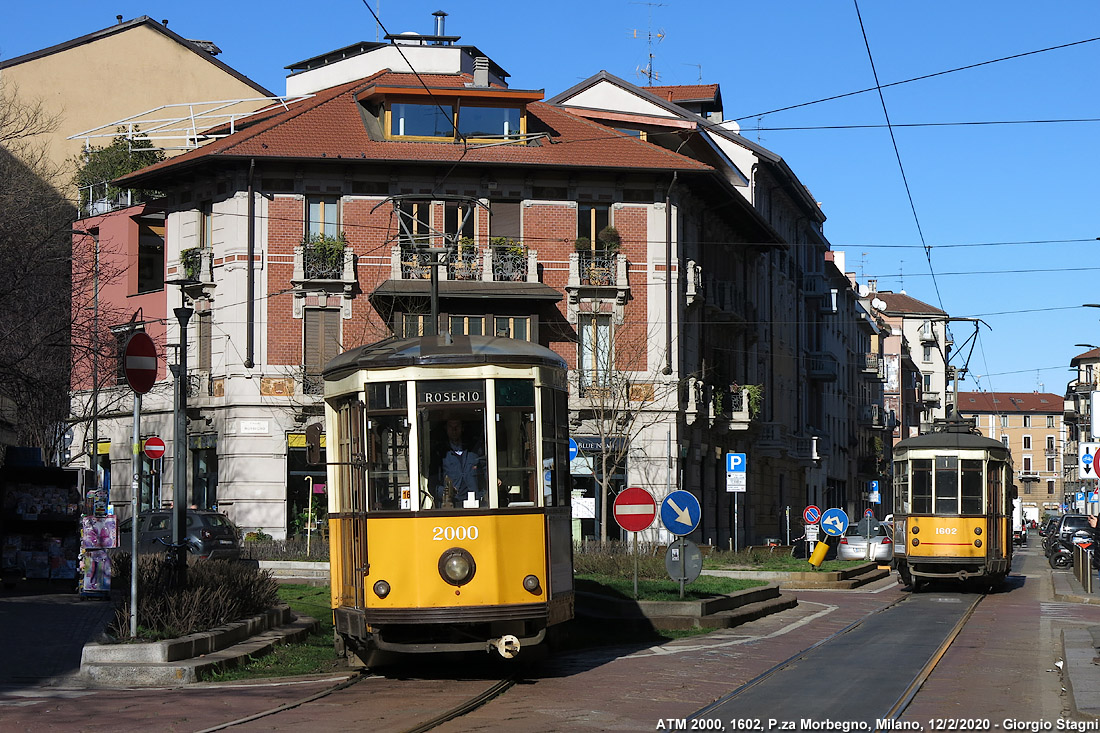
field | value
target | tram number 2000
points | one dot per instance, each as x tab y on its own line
439	534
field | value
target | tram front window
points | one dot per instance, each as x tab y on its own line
453	450
971	487
516	442
947	484
922	486
388	446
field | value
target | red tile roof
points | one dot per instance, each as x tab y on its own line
684	92
902	303
971	402
328	126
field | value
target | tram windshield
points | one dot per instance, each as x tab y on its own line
945	485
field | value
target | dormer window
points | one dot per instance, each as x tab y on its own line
451	120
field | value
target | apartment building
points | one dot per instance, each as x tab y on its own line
669	260
1080	406
1031	424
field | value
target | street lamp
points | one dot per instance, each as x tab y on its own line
95	349
179	444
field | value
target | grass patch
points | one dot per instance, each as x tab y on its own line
764	560
316	655
706	586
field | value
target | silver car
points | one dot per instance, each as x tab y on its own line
867	539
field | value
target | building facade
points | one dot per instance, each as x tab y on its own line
680	269
1031	424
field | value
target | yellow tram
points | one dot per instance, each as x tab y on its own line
953	497
449	514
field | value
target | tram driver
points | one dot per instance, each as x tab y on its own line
460	474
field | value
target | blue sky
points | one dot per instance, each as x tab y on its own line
1008	212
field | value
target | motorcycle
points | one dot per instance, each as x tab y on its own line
1060	554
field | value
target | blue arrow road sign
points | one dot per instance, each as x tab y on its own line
680	512
834	522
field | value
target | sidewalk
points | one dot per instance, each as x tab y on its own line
1080	649
43	630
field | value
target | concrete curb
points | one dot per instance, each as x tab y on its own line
185	660
717	612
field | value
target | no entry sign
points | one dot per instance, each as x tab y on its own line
154	448
141	362
635	509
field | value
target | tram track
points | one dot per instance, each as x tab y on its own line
833	652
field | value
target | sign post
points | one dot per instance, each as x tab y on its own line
737	465
680	513
634	510
140	360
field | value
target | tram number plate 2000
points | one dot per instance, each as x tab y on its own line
449	534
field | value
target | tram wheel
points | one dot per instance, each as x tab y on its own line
916	584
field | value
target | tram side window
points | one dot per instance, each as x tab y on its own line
922	486
971	487
452	444
555	448
349	450
901	487
388	447
516	442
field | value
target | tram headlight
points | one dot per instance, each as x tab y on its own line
977	543
381	589
531	584
978	530
915	542
456	566
915	529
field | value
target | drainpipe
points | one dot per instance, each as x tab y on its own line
250	303
668	275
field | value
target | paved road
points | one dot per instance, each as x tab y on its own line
1002	665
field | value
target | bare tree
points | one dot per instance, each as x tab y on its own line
622	396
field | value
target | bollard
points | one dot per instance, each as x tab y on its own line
819	553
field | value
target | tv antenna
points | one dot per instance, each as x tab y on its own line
648	71
700	68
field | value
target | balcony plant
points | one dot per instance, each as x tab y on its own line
609	241
323	256
191	260
464	262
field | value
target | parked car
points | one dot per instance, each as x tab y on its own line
209	534
1063	530
867	539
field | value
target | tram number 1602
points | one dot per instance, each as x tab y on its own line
449	534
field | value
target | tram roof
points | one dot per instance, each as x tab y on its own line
435	350
949	440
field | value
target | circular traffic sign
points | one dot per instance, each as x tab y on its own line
680	512
154	448
573	449
683	560
868	513
140	362
634	509
811	514
834	522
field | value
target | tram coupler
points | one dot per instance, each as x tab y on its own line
507	646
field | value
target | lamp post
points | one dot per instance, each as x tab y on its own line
179	438
95	349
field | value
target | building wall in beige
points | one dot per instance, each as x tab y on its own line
118	72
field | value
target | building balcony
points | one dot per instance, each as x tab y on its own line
721	298
930	397
597	276
730	405
772	440
874	366
330	270
872	416
507	263
823	367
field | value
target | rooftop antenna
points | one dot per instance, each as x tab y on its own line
648	71
700	68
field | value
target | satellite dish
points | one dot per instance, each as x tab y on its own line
878	304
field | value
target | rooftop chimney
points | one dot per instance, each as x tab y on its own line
119	19
439	16
481	71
